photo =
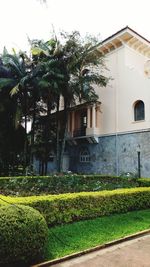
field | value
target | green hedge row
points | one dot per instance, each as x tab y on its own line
58	209
36	185
144	182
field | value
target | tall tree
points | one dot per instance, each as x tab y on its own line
11	137
17	84
66	69
50	75
83	63
69	68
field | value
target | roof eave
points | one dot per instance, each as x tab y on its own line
125	36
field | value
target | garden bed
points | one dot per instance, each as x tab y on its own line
58	184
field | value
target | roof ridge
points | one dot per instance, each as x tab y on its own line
123	29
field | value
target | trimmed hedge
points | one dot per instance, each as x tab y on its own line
58	209
23	235
144	182
56	184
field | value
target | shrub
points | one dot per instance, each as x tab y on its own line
66	208
23	235
57	184
145	182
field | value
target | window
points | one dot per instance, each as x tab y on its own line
84	156
139	111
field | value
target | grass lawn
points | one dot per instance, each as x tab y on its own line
70	238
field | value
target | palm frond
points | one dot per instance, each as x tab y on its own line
44	84
13	62
94	78
14	90
37	51
24	80
6	82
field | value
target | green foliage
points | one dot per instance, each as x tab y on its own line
57	184
144	182
78	236
66	68
65	208
13	98
23	235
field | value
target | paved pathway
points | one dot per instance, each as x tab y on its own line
133	253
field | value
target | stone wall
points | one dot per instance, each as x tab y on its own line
115	155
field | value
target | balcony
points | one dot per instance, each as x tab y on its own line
79	132
84	122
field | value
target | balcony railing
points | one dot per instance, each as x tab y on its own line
79	132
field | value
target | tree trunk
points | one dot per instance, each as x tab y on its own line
39	166
25	124
32	135
57	135
64	135
42	167
47	135
46	165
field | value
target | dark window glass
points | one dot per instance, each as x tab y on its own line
139	113
84	156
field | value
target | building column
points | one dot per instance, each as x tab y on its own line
98	116
93	116
88	117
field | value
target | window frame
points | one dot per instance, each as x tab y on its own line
139	109
84	156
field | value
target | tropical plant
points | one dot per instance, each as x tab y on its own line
82	62
16	85
64	70
69	70
49	73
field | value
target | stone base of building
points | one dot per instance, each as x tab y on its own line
114	155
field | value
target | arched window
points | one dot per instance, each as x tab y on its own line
139	110
84	155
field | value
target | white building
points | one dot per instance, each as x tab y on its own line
113	135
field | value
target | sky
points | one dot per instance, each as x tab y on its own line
20	19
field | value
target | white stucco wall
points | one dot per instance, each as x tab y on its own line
129	84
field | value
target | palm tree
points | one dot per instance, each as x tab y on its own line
18	81
11	137
46	56
82	62
67	70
